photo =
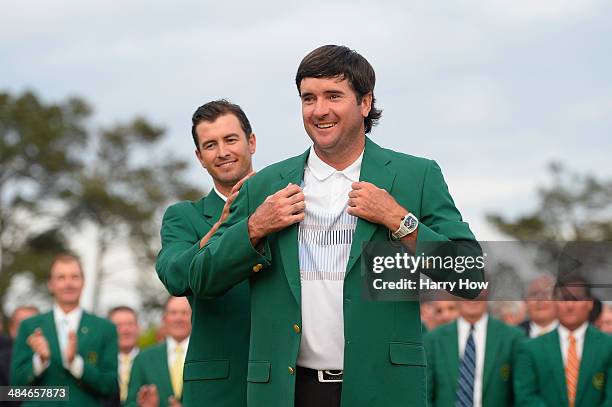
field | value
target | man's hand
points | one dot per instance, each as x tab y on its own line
148	396
282	209
226	209
172	402
375	205
39	345
71	347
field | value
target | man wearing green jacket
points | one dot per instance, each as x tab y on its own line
314	340
475	337
215	368
156	378
570	366
67	346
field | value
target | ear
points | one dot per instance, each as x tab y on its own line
252	143
199	157
366	104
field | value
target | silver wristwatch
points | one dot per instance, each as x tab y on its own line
409	224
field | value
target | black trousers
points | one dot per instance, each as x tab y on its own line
309	392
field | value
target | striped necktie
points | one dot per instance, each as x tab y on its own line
465	386
571	370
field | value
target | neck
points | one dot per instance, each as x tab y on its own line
471	319
573	327
341	160
180	339
66	308
224	189
125	351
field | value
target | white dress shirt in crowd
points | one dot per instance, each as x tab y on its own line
64	323
564	340
480	340
171	345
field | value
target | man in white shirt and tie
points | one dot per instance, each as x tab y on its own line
67	346
126	321
157	373
470	360
572	365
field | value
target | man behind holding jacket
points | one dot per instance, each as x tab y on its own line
314	340
215	368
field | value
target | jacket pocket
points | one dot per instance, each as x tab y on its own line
412	354
258	372
206	369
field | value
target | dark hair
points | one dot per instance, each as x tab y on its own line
330	61
564	282
211	111
120	308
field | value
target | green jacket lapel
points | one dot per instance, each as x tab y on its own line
374	170
212	206
555	361
164	370
288	237
587	362
52	338
491	353
451	353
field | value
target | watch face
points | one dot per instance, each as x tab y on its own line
410	222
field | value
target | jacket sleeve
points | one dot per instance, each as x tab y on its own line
101	375
442	232
178	250
229	256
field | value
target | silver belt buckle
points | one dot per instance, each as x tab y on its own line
330	376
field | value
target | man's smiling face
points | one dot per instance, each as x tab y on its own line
224	150
332	116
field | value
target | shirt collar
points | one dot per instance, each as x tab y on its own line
219	193
172	344
321	170
544	329
481	324
73	316
578	332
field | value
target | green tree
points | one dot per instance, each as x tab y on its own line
574	207
57	176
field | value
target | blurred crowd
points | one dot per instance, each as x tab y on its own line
479	352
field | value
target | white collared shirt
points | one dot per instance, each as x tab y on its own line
324	240
223	197
480	340
64	323
171	345
579	334
131	355
536	330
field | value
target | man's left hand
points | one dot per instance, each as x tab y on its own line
375	205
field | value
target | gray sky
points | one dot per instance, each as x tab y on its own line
491	89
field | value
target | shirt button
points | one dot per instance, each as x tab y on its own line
296	328
291	370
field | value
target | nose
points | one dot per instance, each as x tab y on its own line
321	107
223	150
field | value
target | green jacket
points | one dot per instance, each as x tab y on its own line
442	347
150	367
216	362
540	375
384	360
97	345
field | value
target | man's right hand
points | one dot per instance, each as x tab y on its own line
39	345
282	209
147	396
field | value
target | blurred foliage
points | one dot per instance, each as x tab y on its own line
57	176
574	207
